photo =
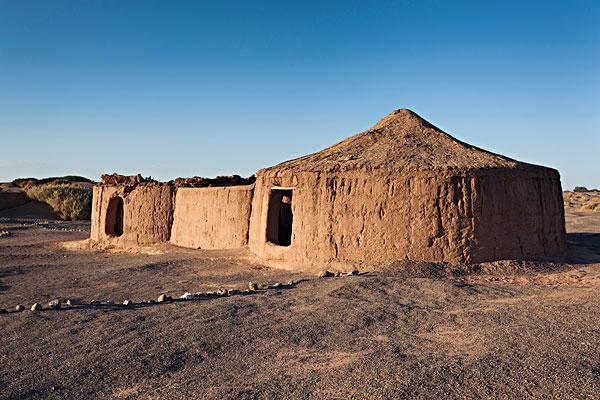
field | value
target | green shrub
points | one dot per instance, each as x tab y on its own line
24	182
580	189
70	201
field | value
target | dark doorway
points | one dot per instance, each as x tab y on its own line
280	217
114	217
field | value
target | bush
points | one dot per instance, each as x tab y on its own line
70	202
26	182
580	189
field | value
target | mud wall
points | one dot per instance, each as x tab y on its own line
212	218
493	215
147	214
519	218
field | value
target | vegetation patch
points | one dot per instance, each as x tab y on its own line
584	201
70	201
583	189
592	205
26	182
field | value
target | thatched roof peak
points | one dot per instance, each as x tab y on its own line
402	140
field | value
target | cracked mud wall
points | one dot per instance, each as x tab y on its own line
212	218
431	217
147	214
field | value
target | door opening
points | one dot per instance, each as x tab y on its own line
280	217
114	217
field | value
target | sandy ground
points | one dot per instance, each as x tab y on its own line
528	330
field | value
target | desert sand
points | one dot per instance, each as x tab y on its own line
408	330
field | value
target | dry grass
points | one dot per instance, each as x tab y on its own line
593	205
69	201
585	201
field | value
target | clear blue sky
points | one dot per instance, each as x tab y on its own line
177	88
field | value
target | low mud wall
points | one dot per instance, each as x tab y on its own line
457	219
12	199
127	216
212	217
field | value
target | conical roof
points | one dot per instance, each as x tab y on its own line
400	141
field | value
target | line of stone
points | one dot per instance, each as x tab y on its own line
57	304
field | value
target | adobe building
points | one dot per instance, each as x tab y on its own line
131	211
400	190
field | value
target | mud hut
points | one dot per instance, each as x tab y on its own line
404	189
130	211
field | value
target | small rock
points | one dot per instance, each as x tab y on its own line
354	272
36	307
222	292
338	273
19	307
69	302
110	302
251	286
127	303
276	285
162	298
289	283
54	304
3	311
150	302
324	274
186	296
94	302
232	292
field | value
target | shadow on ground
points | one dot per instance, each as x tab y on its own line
583	247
